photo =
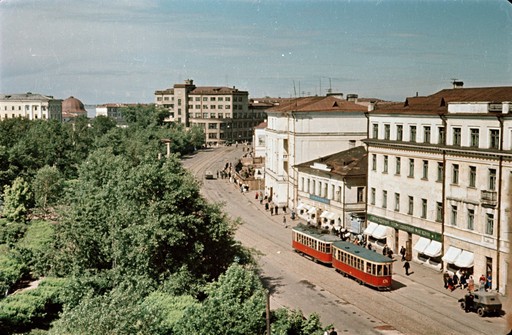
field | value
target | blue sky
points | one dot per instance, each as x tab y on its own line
123	50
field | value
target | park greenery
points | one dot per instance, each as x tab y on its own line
100	233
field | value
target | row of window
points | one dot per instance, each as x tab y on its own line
27	107
470	217
321	189
312	243
13	116
474	135
472	171
359	263
171	98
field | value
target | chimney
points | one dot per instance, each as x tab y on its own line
458	84
352	97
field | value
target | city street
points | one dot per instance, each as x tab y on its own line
417	304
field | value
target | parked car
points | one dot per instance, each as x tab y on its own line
484	303
208	175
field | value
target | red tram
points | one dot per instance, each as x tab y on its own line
365	266
308	241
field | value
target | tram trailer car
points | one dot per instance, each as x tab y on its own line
365	266
311	243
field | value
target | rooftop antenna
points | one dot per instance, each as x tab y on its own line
294	90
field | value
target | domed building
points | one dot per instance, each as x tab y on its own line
72	108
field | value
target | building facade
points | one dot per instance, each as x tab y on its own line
303	129
31	106
332	190
222	112
111	110
439	174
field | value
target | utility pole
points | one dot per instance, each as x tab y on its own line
267	309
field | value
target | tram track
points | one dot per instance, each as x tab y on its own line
409	308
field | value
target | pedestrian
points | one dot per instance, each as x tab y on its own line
333	331
488	282
217	174
369	246
390	253
450	284
266	206
455	281
407	266
284	221
471	284
481	282
385	250
468	302
402	252
284	209
271	209
256	196
446	276
276	209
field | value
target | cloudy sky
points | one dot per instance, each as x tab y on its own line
123	50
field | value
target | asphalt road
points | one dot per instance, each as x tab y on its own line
298	283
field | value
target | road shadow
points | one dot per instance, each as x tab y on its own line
272	284
396	285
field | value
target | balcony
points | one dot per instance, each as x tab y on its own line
489	198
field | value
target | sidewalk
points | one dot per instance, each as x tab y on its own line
419	274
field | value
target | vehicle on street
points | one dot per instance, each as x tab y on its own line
484	303
208	175
365	266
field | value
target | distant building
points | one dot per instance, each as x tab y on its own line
111	110
331	190
439	179
72	108
222	112
31	106
304	129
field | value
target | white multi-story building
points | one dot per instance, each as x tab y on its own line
303	129
31	106
111	110
439	179
222	112
332	190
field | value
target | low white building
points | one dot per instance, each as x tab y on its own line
439	179
332	190
304	129
31	106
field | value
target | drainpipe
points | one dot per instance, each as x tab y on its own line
367	115
443	192
498	234
295	184
344	202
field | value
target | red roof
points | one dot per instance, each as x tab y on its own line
318	104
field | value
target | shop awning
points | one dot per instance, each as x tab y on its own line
332	216
465	259
421	245
380	232
433	249
312	210
325	214
371	227
451	255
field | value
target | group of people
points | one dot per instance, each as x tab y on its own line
460	279
331	331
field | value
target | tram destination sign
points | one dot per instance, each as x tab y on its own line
405	227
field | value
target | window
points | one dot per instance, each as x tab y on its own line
474	137
425	170
426	134
212	98
453	219
494	140
492	179
423	208
197	99
220	99
471	219
413	134
472	176
397	202
387	132
205	98
212	106
375	130
397	165
442	135
228	98
385	168
410	209
411	167
399	132
212	126
384	199
439	211
372	196
360	194
179	102
489	225
374	162
440	168
455	173
456	136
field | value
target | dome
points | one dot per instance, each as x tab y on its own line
72	107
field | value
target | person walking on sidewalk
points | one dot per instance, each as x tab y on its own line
284	221
407	266
402	252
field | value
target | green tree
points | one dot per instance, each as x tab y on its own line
47	186
293	322
235	305
17	200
